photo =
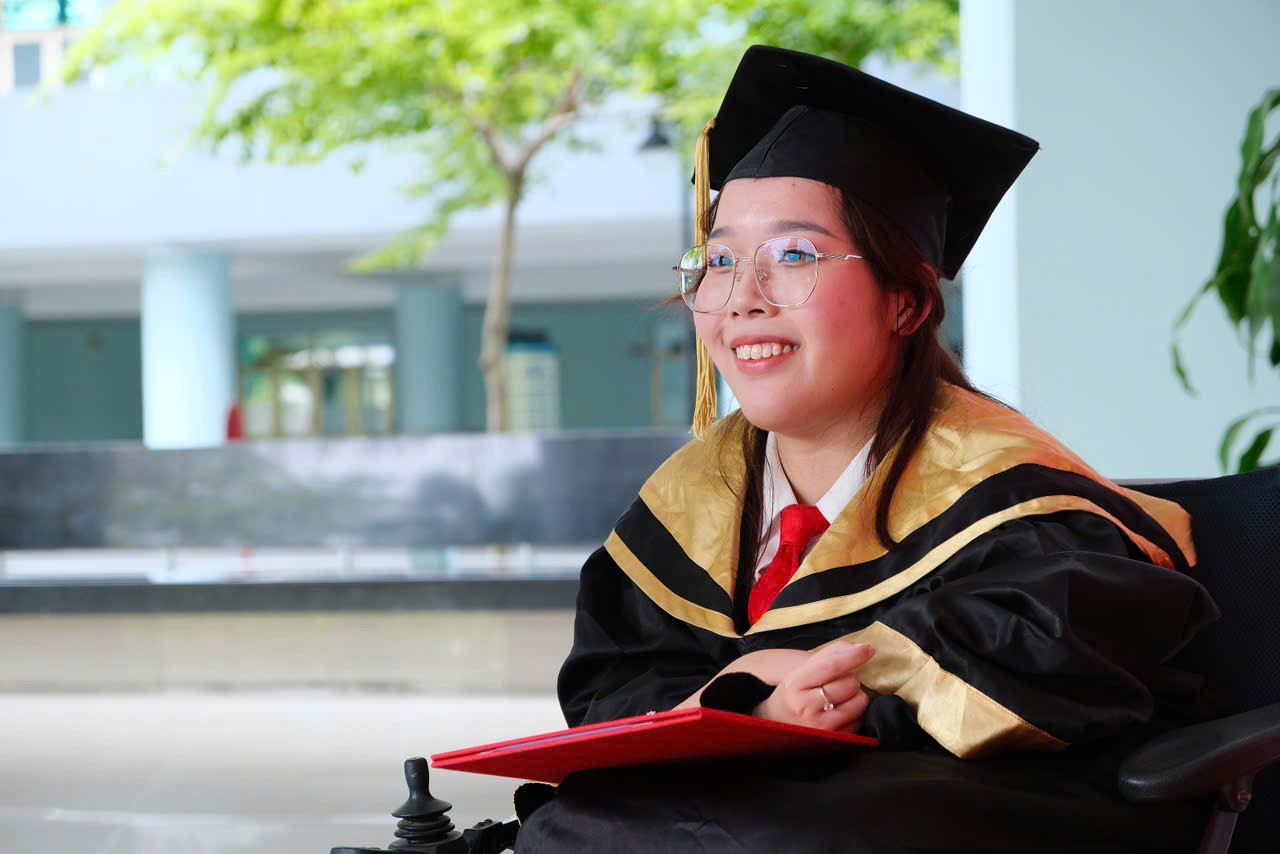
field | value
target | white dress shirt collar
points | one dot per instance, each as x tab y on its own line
777	494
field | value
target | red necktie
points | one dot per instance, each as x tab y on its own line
800	524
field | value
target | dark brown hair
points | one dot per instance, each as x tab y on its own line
923	366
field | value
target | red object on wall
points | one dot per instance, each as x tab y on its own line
235	427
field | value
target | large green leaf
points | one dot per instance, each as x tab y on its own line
1247	277
1258	301
1271	286
1249	459
1239	245
1254	154
1233	430
1236	276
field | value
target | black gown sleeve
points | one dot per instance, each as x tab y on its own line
630	657
1045	632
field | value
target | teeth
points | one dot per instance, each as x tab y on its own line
751	352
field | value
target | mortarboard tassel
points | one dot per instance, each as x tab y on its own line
704	404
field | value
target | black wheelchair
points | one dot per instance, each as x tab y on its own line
1230	761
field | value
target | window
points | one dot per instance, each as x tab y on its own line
323	383
35	36
533	381
26	65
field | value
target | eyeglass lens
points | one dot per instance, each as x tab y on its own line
786	270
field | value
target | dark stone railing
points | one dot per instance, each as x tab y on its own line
469	522
447	490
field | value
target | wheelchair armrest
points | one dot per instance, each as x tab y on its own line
1202	759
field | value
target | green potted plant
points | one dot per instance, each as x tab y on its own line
1247	280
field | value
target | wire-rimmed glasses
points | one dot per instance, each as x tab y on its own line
786	272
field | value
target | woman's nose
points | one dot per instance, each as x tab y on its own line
746	298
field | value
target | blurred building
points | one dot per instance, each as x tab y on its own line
147	285
154	284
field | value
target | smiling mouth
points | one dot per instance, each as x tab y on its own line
751	352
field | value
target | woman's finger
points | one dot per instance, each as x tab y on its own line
855	654
844	712
855	705
842	688
830	663
842	715
854	709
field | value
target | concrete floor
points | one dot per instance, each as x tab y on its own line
267	773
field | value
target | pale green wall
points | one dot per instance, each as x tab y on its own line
1140	107
84	377
83	381
604	359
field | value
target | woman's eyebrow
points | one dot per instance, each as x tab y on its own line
780	226
800	225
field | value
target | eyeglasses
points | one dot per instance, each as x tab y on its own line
786	272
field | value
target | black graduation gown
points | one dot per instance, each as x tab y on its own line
1021	630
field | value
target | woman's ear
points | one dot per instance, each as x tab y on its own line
908	312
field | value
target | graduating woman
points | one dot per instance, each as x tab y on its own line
870	544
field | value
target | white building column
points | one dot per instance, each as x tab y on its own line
990	283
1072	292
428	323
13	328
188	349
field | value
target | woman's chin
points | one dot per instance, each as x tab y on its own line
765	417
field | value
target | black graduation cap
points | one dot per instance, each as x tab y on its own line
934	171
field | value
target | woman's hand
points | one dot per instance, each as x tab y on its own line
770	666
798	700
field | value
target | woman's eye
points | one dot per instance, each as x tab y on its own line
797	256
720	261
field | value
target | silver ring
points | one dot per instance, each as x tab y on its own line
827	705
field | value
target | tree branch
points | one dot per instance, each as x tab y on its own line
496	146
482	126
564	114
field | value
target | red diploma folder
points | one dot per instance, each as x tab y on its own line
678	735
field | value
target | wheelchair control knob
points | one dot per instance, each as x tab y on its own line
423	826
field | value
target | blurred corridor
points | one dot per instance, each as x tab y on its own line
286	773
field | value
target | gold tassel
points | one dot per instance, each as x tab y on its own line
704	404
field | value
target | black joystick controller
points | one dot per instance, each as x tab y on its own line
424	828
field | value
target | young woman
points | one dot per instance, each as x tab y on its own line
870	544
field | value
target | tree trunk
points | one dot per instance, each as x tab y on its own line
497	315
